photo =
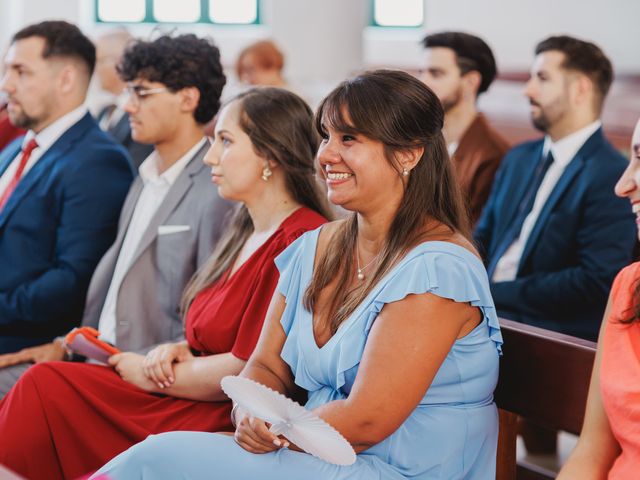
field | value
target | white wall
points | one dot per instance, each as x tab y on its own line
324	40
513	27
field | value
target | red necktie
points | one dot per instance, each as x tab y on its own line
26	153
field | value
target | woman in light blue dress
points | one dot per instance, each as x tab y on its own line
384	320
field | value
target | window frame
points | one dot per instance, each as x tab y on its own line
149	17
373	23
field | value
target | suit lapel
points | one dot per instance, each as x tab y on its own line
127	212
95	302
570	172
9	153
518	189
177	191
46	163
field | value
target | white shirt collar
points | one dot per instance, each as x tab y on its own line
566	148
149	168
53	132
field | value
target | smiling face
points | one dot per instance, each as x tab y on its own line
358	175
629	184
30	83
235	166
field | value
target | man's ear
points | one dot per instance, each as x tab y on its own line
471	81
189	99
581	88
67	78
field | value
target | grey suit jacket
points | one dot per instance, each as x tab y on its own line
147	309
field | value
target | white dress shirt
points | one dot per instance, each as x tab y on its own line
563	152
45	139
156	186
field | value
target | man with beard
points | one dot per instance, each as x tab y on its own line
553	233
61	186
172	217
458	67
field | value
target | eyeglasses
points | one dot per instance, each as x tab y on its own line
137	93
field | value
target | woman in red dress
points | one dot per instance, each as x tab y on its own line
62	420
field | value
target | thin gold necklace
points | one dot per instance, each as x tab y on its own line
362	269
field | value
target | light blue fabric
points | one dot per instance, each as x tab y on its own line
453	432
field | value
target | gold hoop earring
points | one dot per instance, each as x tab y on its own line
266	173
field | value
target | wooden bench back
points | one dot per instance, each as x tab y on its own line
544	377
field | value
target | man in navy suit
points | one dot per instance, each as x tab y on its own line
553	233
61	186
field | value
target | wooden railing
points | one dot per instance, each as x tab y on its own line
544	377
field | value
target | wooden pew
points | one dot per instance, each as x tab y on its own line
544	376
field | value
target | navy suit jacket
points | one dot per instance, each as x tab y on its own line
55	227
582	238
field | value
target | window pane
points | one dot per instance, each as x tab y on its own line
233	11
176	11
121	10
398	13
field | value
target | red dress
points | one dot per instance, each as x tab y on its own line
63	420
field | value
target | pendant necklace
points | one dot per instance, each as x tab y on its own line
361	269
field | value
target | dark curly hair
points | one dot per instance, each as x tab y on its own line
62	39
178	62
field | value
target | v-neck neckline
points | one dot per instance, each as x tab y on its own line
344	326
230	276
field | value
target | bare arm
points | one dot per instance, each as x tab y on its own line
266	366
597	448
405	348
196	378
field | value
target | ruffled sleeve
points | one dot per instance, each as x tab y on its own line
290	263
459	277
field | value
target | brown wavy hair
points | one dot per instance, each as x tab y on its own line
634	310
404	114
280	126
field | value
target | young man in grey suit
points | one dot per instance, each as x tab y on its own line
172	215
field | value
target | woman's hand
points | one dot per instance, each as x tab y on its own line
129	367
253	435
158	364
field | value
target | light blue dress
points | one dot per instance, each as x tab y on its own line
453	432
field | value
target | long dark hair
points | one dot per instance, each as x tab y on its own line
404	114
280	126
634	310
